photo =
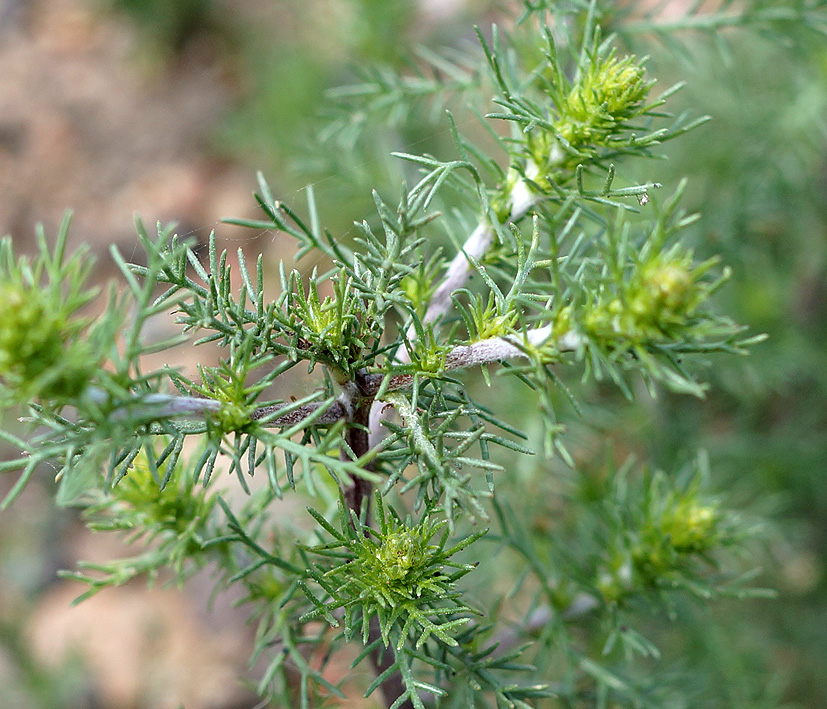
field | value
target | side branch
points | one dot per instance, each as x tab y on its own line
455	277
332	414
165	406
474	248
495	349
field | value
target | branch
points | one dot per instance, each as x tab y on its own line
540	617
474	248
335	412
499	349
164	406
495	349
456	276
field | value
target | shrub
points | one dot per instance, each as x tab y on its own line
433	523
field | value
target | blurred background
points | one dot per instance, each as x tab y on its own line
167	109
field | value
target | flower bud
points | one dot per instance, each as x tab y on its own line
39	355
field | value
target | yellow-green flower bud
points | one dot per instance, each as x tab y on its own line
691	527
608	93
399	553
31	337
669	284
38	357
233	416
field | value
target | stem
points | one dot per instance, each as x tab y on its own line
357	498
382	658
455	277
357	494
354	397
540	617
495	349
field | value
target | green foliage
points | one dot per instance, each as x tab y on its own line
393	573
172	519
590	118
537	254
46	350
658	532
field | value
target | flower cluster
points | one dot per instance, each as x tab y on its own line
593	113
575	123
398	573
609	93
42	353
670	528
655	302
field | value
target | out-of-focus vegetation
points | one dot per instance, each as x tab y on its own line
758	176
758	172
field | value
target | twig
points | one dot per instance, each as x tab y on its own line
474	248
366	385
165	406
456	276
